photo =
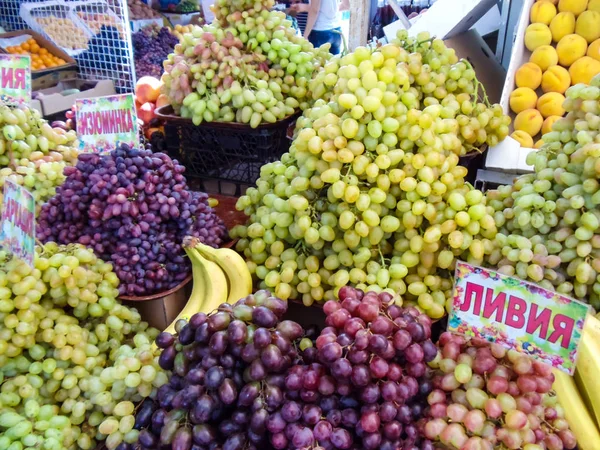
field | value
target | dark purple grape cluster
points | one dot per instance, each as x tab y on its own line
368	386
227	376
133	208
151	46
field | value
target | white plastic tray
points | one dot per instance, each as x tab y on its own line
81	9
508	155
30	12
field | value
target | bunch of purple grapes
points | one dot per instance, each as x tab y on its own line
151	46
367	382
133	208
227	375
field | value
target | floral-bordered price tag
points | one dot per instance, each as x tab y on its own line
518	315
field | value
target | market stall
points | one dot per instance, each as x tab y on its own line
219	236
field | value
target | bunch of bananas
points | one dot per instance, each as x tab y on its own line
219	276
579	395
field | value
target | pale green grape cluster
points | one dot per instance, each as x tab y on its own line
248	66
371	192
549	220
72	358
32	153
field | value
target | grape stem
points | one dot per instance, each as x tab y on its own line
381	256
344	42
478	84
11	156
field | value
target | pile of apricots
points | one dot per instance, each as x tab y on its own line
41	58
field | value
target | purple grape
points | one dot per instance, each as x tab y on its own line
303	438
258	421
227	392
166	360
330	352
291	412
334	417
370	394
147	439
264	317
214	377
182	439
291	330
342	368
275	423
279	441
133	208
203	408
341	438
322	431
271	357
164	340
349	417
311	414
249	393
262	338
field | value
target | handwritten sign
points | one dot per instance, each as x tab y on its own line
518	315
15	78
104	123
17	229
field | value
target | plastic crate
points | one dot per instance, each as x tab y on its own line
224	151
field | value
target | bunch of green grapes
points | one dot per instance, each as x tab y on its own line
224	9
32	153
549	220
371	192
248	67
73	360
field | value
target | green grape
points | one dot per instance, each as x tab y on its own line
55	379
387	205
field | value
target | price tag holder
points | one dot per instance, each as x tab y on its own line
104	123
15	79
17	229
518	315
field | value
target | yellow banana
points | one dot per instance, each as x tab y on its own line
580	421
235	268
194	303
215	284
588	366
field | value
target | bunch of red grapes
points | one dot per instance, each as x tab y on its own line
364	385
486	397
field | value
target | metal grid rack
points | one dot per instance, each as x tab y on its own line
108	52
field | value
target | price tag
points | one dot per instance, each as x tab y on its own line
104	123
17	230
518	315
15	79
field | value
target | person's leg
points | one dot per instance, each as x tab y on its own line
317	38
333	37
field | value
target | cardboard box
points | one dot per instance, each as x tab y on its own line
471	46
508	155
444	19
453	21
182	19
44	78
51	101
